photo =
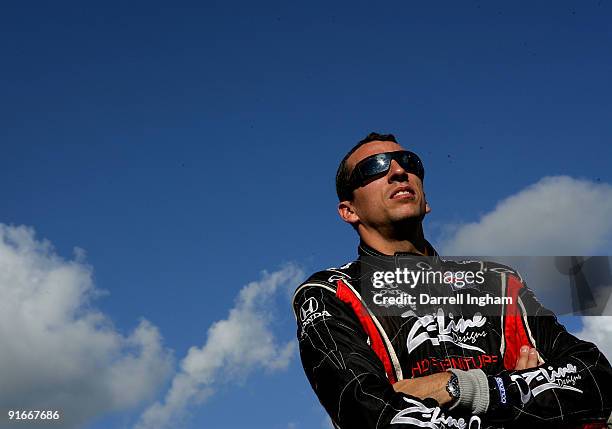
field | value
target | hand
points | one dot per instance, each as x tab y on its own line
430	386
528	358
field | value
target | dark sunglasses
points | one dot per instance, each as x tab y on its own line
379	164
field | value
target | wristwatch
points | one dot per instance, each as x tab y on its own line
452	387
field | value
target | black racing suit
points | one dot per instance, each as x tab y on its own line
353	351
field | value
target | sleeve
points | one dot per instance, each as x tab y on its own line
573	382
348	377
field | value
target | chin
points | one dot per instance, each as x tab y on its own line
409	212
412	217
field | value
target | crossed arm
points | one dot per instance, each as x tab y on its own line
434	386
351	383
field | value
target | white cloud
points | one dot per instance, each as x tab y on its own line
598	330
556	216
235	347
58	352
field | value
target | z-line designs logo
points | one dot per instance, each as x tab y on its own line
453	332
434	416
308	312
564	377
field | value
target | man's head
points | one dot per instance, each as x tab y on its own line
384	201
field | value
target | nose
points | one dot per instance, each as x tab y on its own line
397	173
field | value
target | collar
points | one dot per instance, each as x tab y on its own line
372	258
365	250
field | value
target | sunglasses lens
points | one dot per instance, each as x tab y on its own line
411	163
375	165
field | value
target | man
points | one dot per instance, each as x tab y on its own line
442	363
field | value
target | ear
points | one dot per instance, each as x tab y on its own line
427	207
347	212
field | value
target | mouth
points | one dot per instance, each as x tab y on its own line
403	193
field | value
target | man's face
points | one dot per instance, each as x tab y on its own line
391	198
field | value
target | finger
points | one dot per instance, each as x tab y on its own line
521	363
532	360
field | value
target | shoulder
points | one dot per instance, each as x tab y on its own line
317	298
500	269
489	268
487	276
324	281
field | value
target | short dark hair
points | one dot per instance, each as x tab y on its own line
343	174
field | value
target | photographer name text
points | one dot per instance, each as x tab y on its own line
404	299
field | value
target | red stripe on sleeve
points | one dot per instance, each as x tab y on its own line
345	294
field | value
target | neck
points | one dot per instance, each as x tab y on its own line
400	238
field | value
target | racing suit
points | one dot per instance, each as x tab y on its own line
353	351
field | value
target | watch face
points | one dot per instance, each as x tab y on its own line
453	386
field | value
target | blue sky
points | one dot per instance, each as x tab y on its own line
187	148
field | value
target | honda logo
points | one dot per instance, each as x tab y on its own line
308	308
